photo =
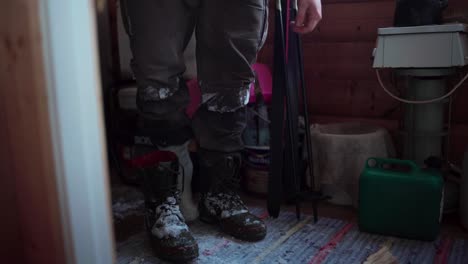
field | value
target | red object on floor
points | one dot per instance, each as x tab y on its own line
210	252
325	250
264	215
443	252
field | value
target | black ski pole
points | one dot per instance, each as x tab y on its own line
305	105
291	95
316	196
275	181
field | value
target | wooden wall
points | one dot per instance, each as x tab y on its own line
342	84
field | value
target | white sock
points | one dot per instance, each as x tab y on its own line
188	207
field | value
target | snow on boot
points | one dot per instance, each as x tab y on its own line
221	204
187	205
165	224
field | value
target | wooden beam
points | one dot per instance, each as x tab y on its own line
26	153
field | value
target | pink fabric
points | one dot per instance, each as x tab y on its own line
265	80
288	13
195	97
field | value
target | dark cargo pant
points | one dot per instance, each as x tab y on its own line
229	34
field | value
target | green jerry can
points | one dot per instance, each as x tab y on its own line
397	198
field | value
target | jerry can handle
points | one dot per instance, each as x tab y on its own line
380	162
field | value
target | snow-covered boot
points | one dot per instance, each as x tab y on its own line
165	225
220	202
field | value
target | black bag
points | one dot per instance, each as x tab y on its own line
419	12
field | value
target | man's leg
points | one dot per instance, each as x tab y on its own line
159	31
229	35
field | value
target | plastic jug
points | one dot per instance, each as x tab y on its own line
397	198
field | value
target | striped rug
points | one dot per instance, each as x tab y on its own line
292	241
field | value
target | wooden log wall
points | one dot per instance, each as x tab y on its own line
338	67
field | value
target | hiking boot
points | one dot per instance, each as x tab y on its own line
221	204
165	225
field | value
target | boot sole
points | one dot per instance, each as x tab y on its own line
177	258
214	221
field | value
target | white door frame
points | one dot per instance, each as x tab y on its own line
76	114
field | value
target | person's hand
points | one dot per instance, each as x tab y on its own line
309	14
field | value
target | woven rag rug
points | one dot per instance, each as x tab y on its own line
292	241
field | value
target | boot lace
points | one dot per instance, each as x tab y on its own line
169	219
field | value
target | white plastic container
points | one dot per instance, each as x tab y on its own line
340	152
464	193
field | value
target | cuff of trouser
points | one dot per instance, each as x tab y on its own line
225	100
157	101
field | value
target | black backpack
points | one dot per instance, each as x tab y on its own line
419	12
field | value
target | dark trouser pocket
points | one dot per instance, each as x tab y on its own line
125	16
264	31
